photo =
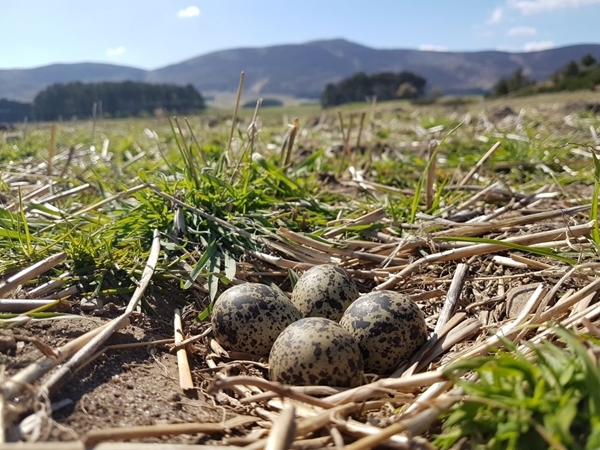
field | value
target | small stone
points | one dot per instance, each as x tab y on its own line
174	397
517	297
90	304
7	344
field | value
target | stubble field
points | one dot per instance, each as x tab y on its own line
483	212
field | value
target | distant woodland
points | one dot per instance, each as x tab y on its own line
131	99
384	86
125	99
576	75
11	111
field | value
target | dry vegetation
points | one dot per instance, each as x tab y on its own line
484	213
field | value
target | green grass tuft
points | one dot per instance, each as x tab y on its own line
546	395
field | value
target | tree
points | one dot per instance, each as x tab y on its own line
571	69
588	60
11	111
406	90
556	77
501	87
118	99
518	81
384	86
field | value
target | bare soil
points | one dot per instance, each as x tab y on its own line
123	387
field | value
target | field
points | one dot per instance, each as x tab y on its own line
116	236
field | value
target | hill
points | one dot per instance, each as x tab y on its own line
24	84
303	70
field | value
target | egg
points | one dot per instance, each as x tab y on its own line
249	317
324	291
388	327
316	352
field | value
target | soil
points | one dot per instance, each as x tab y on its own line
122	387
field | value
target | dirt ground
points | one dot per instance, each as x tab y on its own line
122	387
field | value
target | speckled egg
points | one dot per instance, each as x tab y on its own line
388	327
316	352
324	291
249	317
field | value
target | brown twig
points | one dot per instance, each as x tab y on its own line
279	389
313	423
480	249
360	128
44	348
430	176
31	272
14	385
93	437
479	164
291	137
385	386
191	339
185	375
453	296
284	430
91	347
20	305
51	148
371	441
65	168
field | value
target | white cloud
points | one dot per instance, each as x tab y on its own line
115	51
521	31
432	48
528	7
496	16
537	46
190	11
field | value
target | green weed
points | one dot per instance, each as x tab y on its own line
546	395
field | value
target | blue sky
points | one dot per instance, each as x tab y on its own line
154	33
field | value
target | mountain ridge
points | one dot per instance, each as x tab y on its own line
303	70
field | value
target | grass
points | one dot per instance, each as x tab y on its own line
239	217
538	396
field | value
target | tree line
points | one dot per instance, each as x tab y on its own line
384	86
583	74
11	111
124	99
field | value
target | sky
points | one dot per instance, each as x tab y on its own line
150	34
